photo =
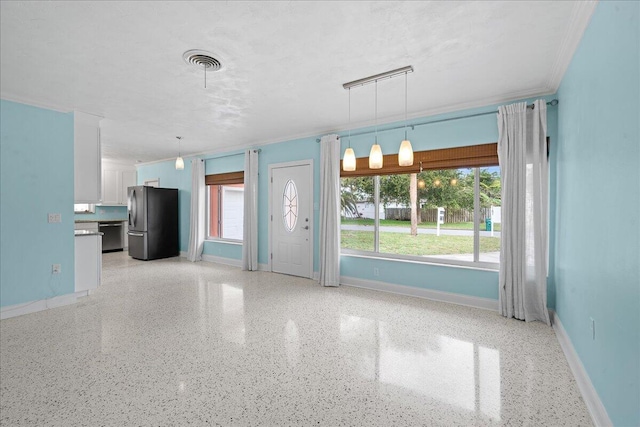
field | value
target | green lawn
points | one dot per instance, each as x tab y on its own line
397	223
422	244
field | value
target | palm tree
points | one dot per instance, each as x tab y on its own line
348	203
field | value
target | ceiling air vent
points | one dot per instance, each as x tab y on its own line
202	59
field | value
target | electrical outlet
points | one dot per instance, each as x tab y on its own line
54	217
376	272
56	268
593	328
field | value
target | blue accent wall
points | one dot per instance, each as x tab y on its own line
36	178
466	131
597	194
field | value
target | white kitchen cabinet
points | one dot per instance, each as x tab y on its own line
116	178
129	179
110	187
88	262
86	225
87	158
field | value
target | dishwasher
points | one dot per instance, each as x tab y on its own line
112	238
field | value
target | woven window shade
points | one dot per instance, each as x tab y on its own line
225	178
447	158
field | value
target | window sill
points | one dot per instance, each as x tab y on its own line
483	266
225	241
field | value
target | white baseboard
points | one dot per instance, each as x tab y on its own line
469	301
39	305
591	399
222	260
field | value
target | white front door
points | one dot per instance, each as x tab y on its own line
291	220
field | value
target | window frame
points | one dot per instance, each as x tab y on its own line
470	157
91	208
220	180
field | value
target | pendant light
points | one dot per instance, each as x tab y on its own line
349	160
405	154
179	161
375	155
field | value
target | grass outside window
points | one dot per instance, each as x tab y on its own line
420	245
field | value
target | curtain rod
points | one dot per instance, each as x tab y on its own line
231	155
553	102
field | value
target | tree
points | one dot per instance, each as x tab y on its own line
490	189
452	188
348	203
413	189
395	189
361	188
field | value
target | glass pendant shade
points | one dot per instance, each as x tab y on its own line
375	157
349	160
405	155
179	163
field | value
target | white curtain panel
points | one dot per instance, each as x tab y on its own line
330	210
524	166
250	222
197	216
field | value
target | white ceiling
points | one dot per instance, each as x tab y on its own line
284	64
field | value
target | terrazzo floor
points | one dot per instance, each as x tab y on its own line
171	343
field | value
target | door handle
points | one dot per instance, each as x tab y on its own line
306	227
135	234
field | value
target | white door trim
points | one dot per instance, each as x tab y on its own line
307	162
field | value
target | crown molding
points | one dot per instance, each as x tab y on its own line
46	105
578	23
27	101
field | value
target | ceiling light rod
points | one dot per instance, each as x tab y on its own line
381	76
552	103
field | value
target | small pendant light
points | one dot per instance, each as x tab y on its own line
405	154
375	155
421	183
349	160
179	160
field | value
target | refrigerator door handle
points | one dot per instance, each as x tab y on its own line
131	233
134	209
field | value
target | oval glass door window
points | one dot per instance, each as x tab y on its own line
290	205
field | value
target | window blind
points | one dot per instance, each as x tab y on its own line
446	158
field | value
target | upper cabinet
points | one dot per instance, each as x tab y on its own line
87	158
116	178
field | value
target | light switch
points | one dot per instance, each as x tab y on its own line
55	217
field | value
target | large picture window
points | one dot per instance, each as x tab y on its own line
225	206
448	215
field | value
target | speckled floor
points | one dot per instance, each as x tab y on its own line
173	343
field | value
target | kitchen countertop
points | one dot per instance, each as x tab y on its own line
87	233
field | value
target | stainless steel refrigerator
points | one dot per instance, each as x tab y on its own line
153	222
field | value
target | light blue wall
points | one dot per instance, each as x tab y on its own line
172	178
36	178
598	206
105	213
468	131
466	281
